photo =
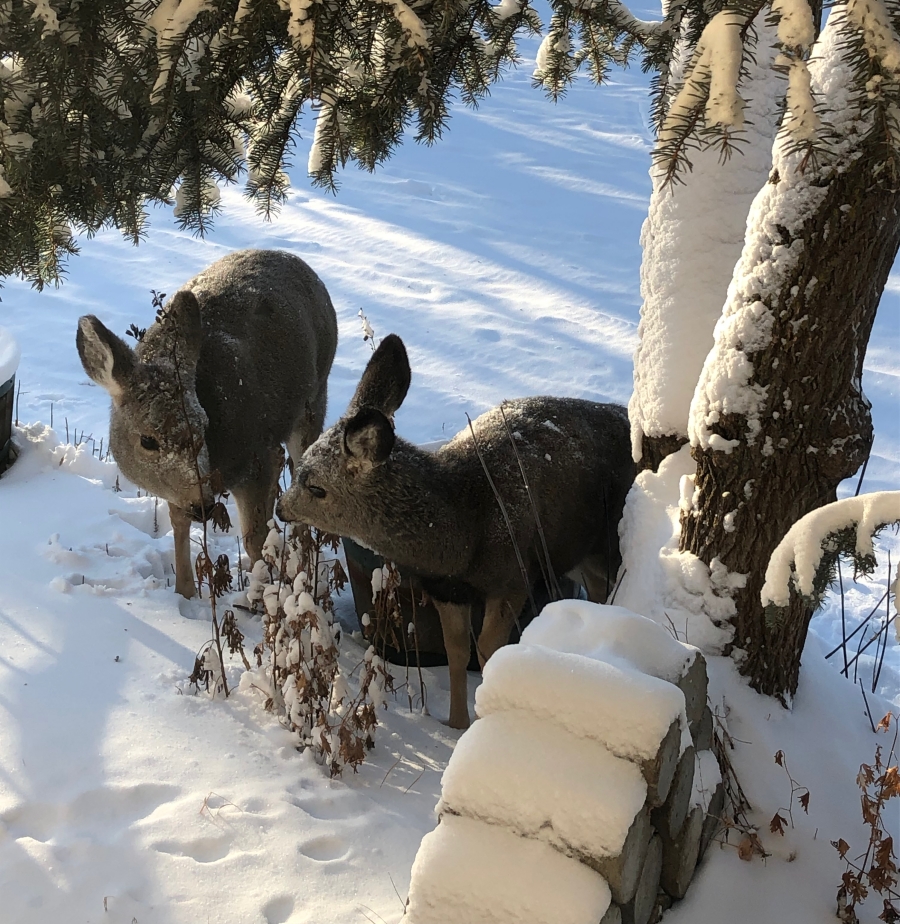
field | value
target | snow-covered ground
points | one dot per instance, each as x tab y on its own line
507	257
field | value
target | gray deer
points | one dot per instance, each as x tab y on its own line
235	365
437	516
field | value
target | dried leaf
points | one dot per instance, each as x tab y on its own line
803	799
779	758
777	824
745	849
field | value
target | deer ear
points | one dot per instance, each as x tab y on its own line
369	436
184	313
386	380
106	358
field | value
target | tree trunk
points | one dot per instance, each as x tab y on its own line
813	425
656	448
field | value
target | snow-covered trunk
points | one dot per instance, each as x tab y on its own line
779	417
692	239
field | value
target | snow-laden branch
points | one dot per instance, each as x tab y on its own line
796	28
872	19
171	21
713	74
803	546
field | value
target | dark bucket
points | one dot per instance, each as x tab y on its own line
428	648
7	395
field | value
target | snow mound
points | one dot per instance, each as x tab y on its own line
468	872
625	710
41	442
612	634
9	355
541	781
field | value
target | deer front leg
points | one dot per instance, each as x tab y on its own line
255	502
455	622
499	615
184	565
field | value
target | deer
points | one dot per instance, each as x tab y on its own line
438	515
235	365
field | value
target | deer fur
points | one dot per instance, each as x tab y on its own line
235	365
436	516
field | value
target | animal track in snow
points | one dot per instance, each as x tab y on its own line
278	910
325	848
93	814
328	808
200	849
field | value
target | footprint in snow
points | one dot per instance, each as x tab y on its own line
325	849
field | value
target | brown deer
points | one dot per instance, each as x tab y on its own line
438	517
235	365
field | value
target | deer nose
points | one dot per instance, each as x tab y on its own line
279	511
199	513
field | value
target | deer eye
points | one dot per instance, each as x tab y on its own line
149	443
316	491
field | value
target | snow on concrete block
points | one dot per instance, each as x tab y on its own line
669	817
613	634
693	683
469	872
542	781
680	855
623	872
627	711
640	909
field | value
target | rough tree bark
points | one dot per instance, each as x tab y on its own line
816	421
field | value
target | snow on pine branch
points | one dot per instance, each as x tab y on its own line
713	76
872	19
798	556
709	89
796	34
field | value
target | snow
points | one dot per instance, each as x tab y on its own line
623	709
481	874
872	19
802	547
726	383
515	274
707	776
796	28
690	249
541	781
10	355
612	634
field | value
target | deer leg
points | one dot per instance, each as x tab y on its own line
184	566
255	501
499	615
455	624
593	575
307	427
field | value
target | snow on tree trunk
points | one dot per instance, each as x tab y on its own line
779	417
692	239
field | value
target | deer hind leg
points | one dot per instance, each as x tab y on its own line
499	615
184	565
594	576
455	624
255	501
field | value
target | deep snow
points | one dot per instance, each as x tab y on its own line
507	258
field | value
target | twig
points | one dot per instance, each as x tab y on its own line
509	527
550	576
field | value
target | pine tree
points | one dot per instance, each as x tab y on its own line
110	105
